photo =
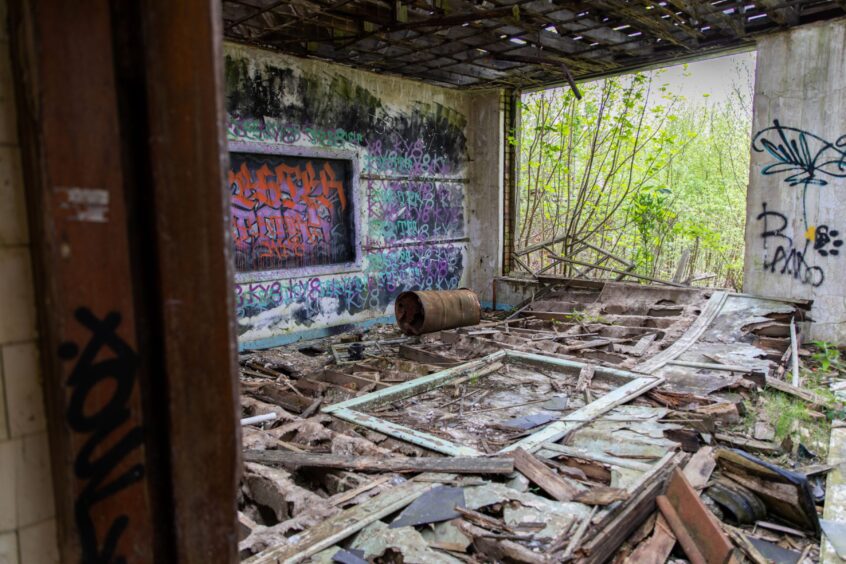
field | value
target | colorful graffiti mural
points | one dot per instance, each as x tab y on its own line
412	161
290	211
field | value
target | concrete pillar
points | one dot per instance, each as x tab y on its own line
484	198
796	205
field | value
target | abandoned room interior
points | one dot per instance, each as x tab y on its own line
421	281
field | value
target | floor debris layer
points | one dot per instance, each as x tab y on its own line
604	422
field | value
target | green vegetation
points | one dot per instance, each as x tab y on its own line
793	418
638	171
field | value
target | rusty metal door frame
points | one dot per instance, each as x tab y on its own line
121	124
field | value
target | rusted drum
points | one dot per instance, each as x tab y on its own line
427	311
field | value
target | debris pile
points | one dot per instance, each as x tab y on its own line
619	423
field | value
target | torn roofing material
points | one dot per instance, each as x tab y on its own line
559	391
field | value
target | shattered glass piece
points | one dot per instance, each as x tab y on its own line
351	556
774	553
558	403
438	504
835	532
528	422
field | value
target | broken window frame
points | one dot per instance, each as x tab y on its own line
635	385
351	192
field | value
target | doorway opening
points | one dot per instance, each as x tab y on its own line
644	178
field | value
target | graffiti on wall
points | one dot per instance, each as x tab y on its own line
410	210
272	130
791	257
390	272
290	211
104	358
412	192
808	160
807	157
279	104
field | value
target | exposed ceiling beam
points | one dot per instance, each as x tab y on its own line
714	18
781	15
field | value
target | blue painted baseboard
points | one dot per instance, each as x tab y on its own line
310	334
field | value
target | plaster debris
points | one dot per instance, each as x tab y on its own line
605	421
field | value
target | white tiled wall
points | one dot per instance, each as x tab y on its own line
27	526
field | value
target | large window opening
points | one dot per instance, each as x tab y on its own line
291	212
646	175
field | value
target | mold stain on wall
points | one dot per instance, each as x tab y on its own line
412	155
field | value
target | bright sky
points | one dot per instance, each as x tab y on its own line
716	77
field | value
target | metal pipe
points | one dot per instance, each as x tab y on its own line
430	310
258	419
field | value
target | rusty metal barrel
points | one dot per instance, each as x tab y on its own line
426	311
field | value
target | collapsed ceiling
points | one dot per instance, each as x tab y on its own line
510	43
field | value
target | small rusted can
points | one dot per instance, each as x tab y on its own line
427	311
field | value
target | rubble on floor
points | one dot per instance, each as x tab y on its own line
603	422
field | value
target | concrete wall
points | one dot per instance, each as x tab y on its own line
427	204
27	525
485	193
796	205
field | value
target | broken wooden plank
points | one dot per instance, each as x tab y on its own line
427	357
344	524
273	394
580	417
454	465
683	536
745	545
642	345
617	526
578	536
601	495
344	380
724	412
698	522
413	436
416	386
785	494
615	271
585	378
835	491
748	444
499	550
657	548
543	476
699	468
551	450
482	520
709	313
711	366
344	497
805	395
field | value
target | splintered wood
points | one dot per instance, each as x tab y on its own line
545	478
589	427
